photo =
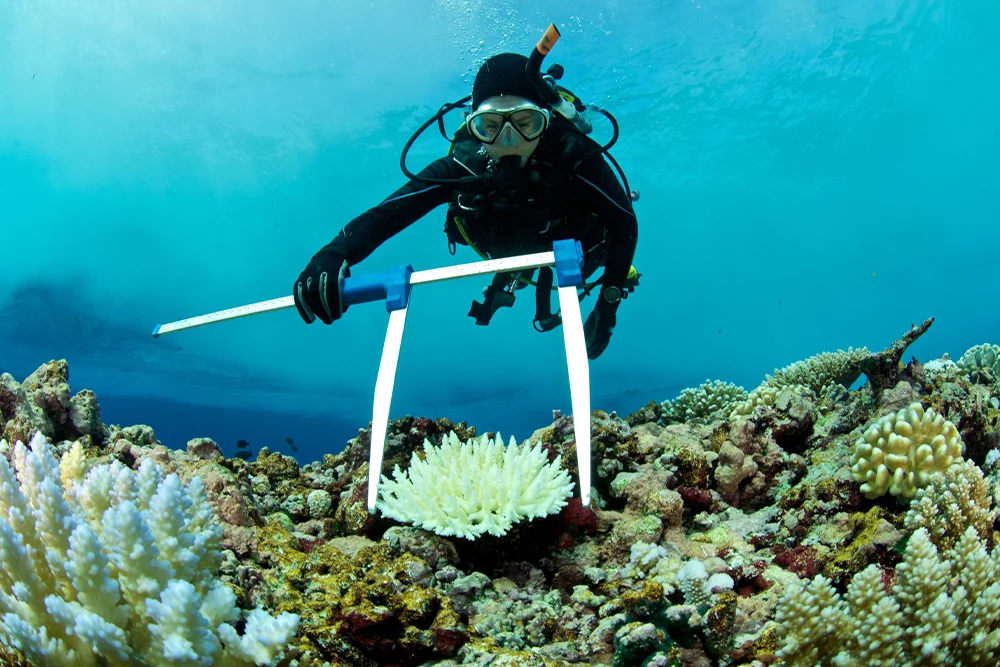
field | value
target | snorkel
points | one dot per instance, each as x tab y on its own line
546	85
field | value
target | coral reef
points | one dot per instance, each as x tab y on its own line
703	401
725	528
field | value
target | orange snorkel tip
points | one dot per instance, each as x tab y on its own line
535	58
548	40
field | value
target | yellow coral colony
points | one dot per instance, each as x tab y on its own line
902	450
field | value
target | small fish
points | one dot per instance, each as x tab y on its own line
294	448
245	455
242	444
289	441
33	75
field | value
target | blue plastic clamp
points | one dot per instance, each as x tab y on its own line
393	285
569	263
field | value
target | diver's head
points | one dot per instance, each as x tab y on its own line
509	114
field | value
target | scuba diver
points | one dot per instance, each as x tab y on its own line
521	173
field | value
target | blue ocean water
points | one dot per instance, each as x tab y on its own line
813	176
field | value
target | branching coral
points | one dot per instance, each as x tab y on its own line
118	568
703	401
822	370
953	501
939	612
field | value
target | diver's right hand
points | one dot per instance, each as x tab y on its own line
319	288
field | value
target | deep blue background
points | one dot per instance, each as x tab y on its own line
814	175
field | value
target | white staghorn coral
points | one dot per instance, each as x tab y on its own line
118	568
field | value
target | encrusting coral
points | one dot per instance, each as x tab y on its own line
118	568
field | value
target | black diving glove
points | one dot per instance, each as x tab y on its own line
599	326
319	288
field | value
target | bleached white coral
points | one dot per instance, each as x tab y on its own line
703	401
899	453
653	562
943	369
466	490
940	611
118	568
992	457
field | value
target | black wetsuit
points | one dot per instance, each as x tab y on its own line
546	201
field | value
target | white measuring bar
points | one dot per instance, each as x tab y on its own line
394	286
416	278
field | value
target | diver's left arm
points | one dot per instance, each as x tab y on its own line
605	196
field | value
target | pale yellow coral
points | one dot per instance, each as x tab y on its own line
940	612
952	502
766	395
72	466
902	450
703	401
762	395
822	370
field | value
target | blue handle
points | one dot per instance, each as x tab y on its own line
569	262
393	285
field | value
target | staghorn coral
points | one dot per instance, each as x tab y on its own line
899	453
940	611
953	501
702	402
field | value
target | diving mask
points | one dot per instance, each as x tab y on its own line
490	124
